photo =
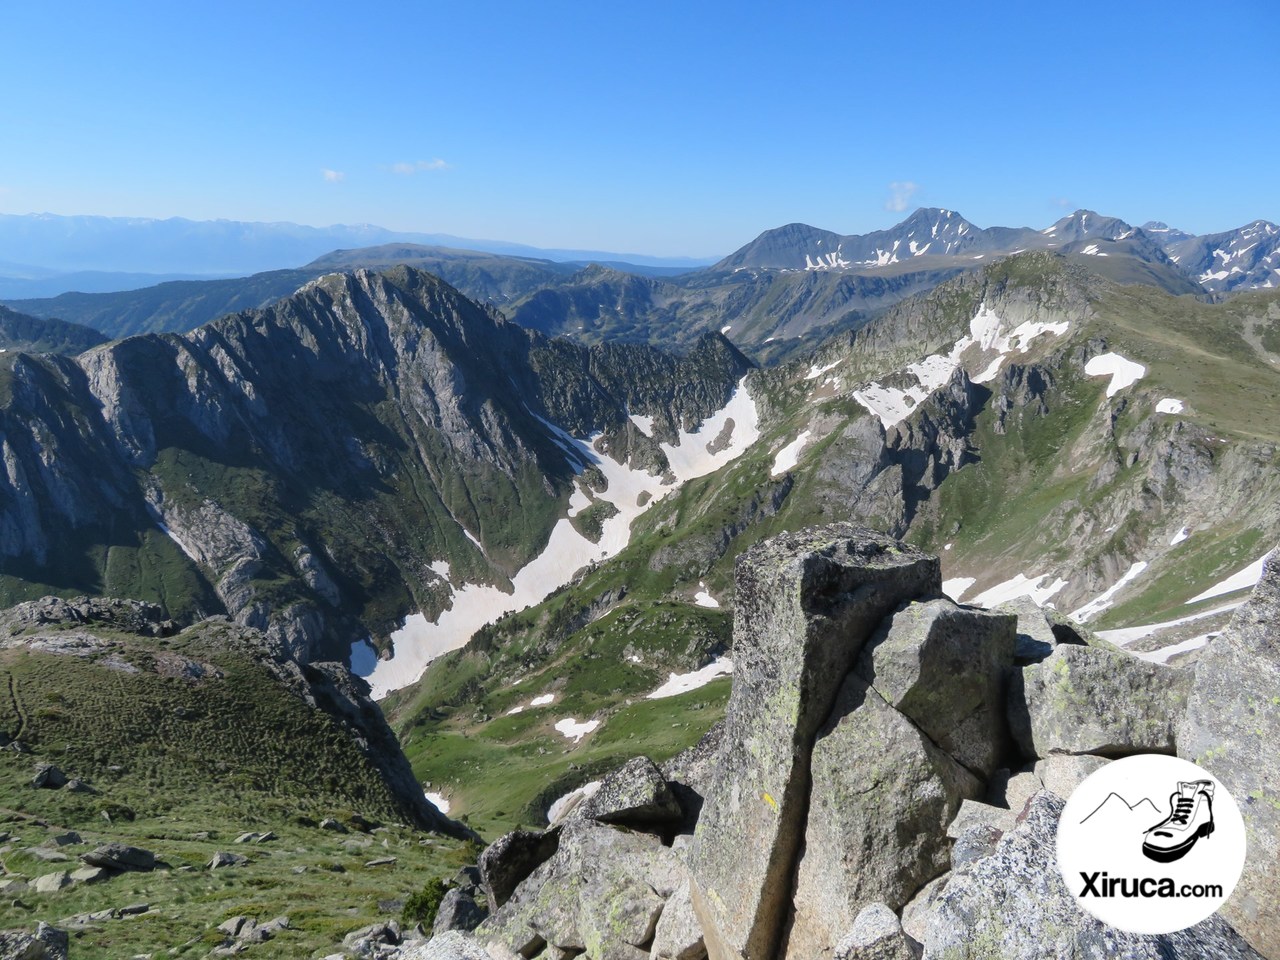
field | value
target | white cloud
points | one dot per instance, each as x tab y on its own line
418	166
332	176
1063	202
900	194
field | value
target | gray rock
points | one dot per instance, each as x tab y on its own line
603	892
511	858
70	838
915	915
468	878
48	777
450	945
47	943
1061	773
387	932
133	910
634	795
380	862
11	885
881	800
51	882
458	911
1012	790
255	837
1094	700
944	666
1013	905
90	874
678	935
805	604
876	935
328	823
690	774
973	812
974	842
120	856
232	926
223	859
1040	630
1232	728
77	786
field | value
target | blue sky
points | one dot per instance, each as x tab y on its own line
660	128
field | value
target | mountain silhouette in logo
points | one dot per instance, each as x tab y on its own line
1116	809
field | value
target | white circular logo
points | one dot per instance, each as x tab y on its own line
1151	844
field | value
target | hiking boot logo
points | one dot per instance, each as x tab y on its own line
1190	818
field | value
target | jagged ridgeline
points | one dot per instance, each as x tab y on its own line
301	467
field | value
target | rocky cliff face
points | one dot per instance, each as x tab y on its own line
307	467
866	799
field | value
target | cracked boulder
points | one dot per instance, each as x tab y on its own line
883	795
634	795
805	603
943	666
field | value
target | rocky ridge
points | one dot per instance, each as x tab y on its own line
836	736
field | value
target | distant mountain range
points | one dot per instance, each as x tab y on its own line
774	297
45	254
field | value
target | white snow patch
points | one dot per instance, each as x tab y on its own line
1126	635
1164	653
789	455
571	800
1091	250
571	729
437	800
419	641
1103	600
1248	577
892	405
1123	373
543	700
1019	586
726	328
947	547
516	709
440	568
678	683
690	458
704	599
955	587
816	371
1169	405
1180	536
643	424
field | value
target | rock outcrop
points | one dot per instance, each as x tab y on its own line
1232	729
805	605
866	797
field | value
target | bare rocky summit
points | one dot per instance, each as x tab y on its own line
840	818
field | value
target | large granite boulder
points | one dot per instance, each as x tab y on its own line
1094	700
883	795
1014	905
603	892
636	795
507	861
944	667
805	604
1232	729
458	911
450	945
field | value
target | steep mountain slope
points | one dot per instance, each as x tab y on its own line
309	468
1247	258
34	335
991	421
